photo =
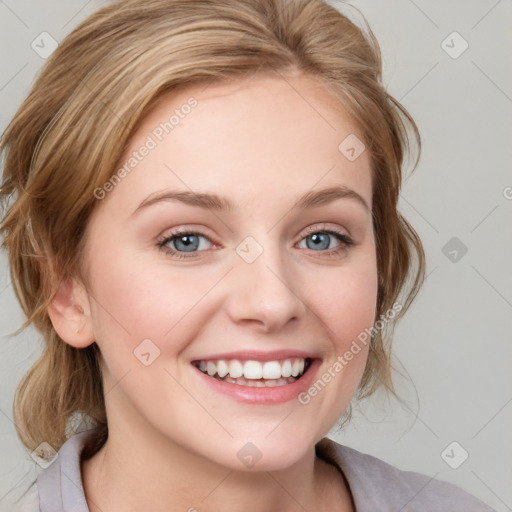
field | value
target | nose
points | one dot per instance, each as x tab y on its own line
264	292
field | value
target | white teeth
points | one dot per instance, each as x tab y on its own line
211	368
270	383
276	383
222	368
297	367
286	368
271	370
274	372
253	370
235	369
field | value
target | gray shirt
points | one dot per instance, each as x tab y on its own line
375	485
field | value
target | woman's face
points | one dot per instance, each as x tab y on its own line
179	285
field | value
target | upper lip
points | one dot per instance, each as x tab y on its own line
257	355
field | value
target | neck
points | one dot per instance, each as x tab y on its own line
154	474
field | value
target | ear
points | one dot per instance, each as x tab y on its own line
70	314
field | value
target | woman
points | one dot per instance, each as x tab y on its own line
205	231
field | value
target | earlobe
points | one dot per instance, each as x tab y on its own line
69	313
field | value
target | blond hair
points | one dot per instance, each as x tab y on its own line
69	134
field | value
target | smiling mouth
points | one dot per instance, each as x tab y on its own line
253	373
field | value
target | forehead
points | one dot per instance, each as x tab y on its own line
274	135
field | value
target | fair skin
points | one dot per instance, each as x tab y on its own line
174	436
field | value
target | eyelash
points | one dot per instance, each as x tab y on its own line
345	242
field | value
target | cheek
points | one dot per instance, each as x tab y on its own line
134	301
347	303
346	306
152	316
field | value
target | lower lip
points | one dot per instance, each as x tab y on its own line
270	395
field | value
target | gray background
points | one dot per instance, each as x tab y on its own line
455	341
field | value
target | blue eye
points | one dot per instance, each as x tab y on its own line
321	240
186	244
183	242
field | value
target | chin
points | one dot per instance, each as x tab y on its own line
253	454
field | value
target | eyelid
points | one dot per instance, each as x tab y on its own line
176	233
190	230
187	230
315	228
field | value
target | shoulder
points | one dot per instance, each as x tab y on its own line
377	485
59	485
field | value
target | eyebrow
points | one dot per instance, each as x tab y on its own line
312	199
